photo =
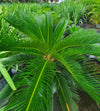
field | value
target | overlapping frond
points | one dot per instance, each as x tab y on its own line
92	67
79	38
93	49
6	93
25	22
31	24
38	26
7	76
65	94
59	31
45	24
17	58
12	40
35	86
85	80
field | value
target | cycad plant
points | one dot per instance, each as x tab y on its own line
95	12
69	9
50	60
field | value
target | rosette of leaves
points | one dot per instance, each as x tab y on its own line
49	59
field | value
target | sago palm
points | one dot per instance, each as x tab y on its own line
50	60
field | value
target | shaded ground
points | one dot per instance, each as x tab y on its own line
86	103
90	26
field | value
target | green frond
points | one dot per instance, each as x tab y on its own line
59	31
88	83
93	49
65	94
24	21
79	38
12	40
37	26
49	98
33	87
17	58
45	24
6	92
92	67
7	76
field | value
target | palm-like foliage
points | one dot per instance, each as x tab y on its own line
69	9
94	12
49	59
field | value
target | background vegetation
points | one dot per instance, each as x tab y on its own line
52	50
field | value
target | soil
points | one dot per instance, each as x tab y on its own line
90	26
86	103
